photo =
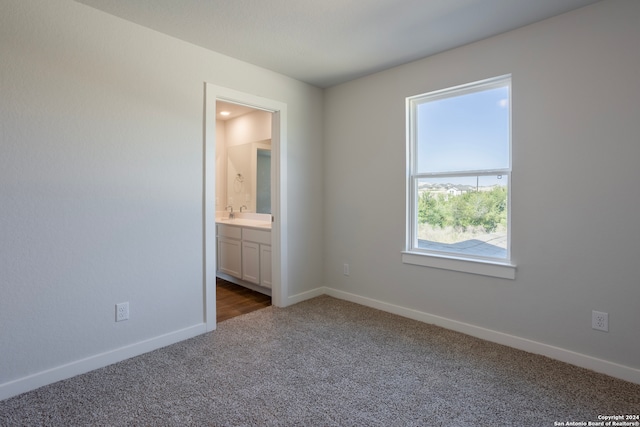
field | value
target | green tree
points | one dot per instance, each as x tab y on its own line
486	209
432	210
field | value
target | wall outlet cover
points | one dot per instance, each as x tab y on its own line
122	311
600	321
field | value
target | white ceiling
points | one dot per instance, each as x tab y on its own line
234	110
327	42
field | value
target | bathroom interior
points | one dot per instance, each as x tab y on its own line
243	208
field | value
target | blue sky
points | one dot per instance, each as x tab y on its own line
465	132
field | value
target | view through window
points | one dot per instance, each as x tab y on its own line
459	170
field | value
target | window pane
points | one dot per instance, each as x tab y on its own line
466	132
465	215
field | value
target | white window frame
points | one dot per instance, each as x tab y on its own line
495	267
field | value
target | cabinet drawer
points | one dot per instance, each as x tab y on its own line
258	236
229	231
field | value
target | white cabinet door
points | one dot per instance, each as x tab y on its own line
265	266
251	262
230	256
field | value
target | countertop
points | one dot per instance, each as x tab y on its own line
244	222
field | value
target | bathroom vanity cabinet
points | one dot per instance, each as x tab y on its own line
244	253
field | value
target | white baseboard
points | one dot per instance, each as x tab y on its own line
599	365
50	376
303	296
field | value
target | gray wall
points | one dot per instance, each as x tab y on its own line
101	171
576	188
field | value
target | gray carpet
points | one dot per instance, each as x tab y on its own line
327	362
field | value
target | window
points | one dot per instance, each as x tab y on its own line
459	172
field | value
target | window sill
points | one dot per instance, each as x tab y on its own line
473	266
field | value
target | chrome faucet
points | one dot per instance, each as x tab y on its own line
243	206
230	209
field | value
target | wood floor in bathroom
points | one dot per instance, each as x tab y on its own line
233	300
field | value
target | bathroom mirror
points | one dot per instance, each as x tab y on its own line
249	176
263	181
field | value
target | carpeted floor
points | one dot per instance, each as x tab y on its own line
327	362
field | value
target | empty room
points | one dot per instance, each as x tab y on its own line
450	235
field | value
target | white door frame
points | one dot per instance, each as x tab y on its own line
278	194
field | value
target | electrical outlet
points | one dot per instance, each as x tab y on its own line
122	311
345	269
600	321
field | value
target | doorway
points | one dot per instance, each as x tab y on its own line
243	196
213	94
